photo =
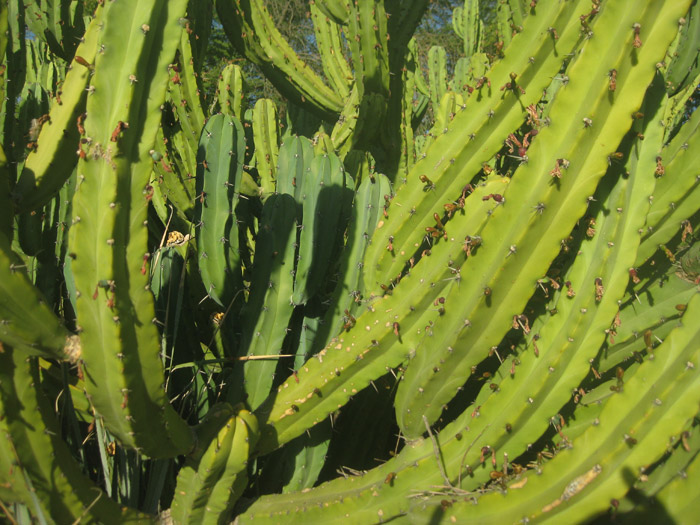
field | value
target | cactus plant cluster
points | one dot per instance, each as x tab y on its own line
213	310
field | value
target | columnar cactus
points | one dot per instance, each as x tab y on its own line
209	308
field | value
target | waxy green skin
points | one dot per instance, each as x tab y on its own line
43	474
108	237
561	363
466	145
354	358
266	136
269	307
322	190
26	321
676	191
211	481
508	251
220	159
46	170
572	204
329	35
249	26
620	272
175	152
591	478
405	294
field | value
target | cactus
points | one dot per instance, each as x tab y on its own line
114	305
266	133
316	310
249	27
219	171
269	307
50	482
212	481
322	190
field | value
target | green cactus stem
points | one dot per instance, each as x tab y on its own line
108	238
250	28
49	165
219	171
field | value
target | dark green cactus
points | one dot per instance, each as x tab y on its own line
269	307
316	310
219	172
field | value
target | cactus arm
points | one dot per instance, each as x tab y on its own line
678	498
297	466
407	157
51	163
172	183
504	23
212	480
270	306
468	25
108	240
51	21
348	294
230	91
566	342
26	321
372	496
443	113
63	493
368	41
437	74
299	399
293	159
197	480
676	196
328	37
347	130
632	431
175	154
219	170
467	142
322	191
234	478
653	308
190	95
181	147
15	485
685	63
266	136
175	167
383	336
683	453
336	10
540	238
250	28
408	110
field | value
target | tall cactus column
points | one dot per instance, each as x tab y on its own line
108	240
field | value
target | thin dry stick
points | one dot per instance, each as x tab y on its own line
87	509
263	357
461	463
437	453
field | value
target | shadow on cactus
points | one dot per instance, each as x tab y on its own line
213	312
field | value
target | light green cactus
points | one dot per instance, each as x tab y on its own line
316	310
